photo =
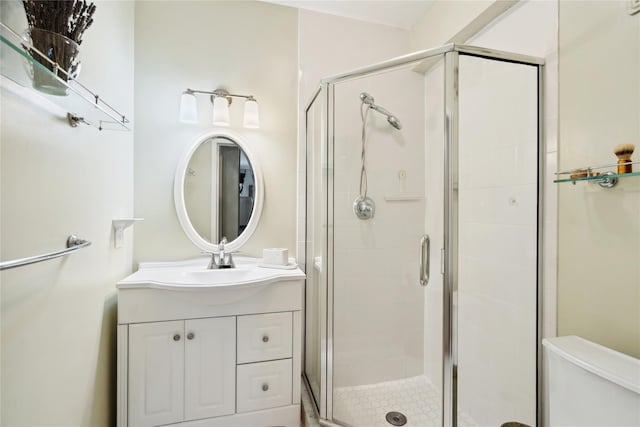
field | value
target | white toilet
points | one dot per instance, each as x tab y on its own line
590	385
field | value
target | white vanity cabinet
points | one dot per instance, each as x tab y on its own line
156	373
181	370
198	355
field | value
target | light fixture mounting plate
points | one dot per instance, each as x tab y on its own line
222	93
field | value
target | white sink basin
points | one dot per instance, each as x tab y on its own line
194	275
223	277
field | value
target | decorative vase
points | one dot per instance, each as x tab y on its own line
59	49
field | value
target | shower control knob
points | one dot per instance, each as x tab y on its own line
176	337
265	338
265	387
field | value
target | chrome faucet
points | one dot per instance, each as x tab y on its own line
221	248
221	259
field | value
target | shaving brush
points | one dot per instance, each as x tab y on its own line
624	152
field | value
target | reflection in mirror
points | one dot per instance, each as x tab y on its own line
219	187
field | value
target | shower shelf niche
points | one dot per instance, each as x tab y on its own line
81	105
605	178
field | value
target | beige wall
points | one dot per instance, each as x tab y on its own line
454	21
329	45
245	47
58	317
332	44
599	239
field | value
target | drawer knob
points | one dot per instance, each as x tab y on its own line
190	336
265	338
176	337
265	387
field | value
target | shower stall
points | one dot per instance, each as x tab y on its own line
423	286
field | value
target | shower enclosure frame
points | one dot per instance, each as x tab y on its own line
450	53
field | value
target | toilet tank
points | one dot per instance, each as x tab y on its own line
590	385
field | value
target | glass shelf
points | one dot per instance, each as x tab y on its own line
81	104
596	178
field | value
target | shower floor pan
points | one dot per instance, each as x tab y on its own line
415	397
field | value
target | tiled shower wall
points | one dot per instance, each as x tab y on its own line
378	303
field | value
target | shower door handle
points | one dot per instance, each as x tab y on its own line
425	259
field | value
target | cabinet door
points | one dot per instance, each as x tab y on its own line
156	375
210	353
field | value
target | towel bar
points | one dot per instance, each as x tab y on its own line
74	243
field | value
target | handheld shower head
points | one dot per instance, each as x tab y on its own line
393	121
368	99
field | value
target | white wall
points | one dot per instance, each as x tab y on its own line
245	47
330	44
444	20
58	317
599	251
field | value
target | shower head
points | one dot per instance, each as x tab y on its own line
368	99
393	121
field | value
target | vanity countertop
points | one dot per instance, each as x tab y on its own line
194	275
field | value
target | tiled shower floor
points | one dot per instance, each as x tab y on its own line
416	397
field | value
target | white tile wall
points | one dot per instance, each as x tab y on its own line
378	302
497	263
531	28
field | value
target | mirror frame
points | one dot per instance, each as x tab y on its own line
180	205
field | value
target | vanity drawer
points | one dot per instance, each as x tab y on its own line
264	385
264	337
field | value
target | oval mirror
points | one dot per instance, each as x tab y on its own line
218	192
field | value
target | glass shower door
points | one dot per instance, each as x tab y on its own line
315	290
452	157
386	327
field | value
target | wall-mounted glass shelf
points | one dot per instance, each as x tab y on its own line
604	178
596	178
81	104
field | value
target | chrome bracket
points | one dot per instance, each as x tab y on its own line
607	181
74	120
223	93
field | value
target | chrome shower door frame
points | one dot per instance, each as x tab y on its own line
451	53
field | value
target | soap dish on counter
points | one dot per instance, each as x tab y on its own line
290	266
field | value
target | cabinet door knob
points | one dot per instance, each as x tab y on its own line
190	336
265	338
265	387
176	337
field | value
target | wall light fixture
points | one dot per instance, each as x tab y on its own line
221	100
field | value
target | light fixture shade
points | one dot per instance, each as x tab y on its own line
188	108
251	115
220	111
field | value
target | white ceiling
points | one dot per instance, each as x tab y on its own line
396	13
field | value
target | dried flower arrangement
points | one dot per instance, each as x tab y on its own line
56	28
